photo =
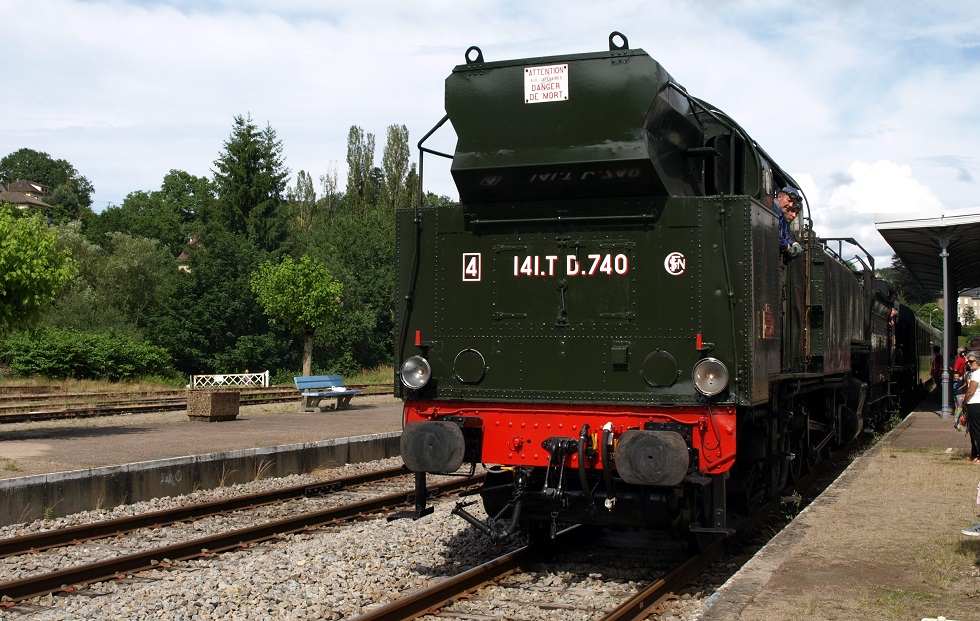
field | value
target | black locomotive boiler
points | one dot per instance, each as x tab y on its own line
606	320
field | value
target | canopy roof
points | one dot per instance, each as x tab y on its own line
918	242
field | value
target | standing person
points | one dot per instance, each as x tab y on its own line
959	365
937	365
974	531
971	401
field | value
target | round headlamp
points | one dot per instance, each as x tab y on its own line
710	376
415	372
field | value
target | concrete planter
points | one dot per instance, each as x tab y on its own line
211	406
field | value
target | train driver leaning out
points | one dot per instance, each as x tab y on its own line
787	205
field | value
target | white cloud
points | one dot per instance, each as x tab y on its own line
126	91
883	187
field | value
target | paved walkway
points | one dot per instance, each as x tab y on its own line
58	446
882	542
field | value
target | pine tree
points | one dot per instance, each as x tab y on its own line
250	180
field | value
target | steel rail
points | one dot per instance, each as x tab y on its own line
120	526
423	601
640	605
66	580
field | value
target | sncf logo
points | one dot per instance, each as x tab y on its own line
675	263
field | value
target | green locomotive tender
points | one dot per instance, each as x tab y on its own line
606	320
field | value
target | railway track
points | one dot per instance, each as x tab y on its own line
522	580
122	566
56	406
504	580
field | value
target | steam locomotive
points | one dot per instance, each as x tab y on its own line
606	320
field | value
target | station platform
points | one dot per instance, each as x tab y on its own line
882	542
76	444
56	468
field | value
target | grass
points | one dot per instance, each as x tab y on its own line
896	602
11	466
378	375
944	562
382	375
71	385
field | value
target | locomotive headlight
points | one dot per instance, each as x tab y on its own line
415	372
710	376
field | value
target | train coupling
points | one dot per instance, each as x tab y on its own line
494	527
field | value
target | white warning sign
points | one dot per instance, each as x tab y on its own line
542	84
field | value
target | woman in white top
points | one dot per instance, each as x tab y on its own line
972	403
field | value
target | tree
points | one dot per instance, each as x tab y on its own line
302	203
328	197
32	270
189	196
303	295
969	316
142	214
360	164
131	276
905	284
39	167
395	165
250	180
930	312
209	320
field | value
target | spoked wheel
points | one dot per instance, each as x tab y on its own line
797	467
756	489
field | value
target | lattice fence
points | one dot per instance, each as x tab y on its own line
230	379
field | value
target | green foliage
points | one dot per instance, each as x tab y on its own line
360	251
188	196
209	319
301	294
395	164
32	270
116	282
302	205
930	312
970	331
63	353
142	214
905	285
969	317
362	186
249	180
56	175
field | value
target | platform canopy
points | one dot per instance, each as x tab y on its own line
919	241
943	254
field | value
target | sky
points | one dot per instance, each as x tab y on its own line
872	106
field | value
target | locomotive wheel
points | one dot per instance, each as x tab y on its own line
796	466
800	447
756	487
782	469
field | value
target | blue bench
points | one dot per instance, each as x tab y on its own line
313	388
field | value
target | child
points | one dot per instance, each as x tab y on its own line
974	531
